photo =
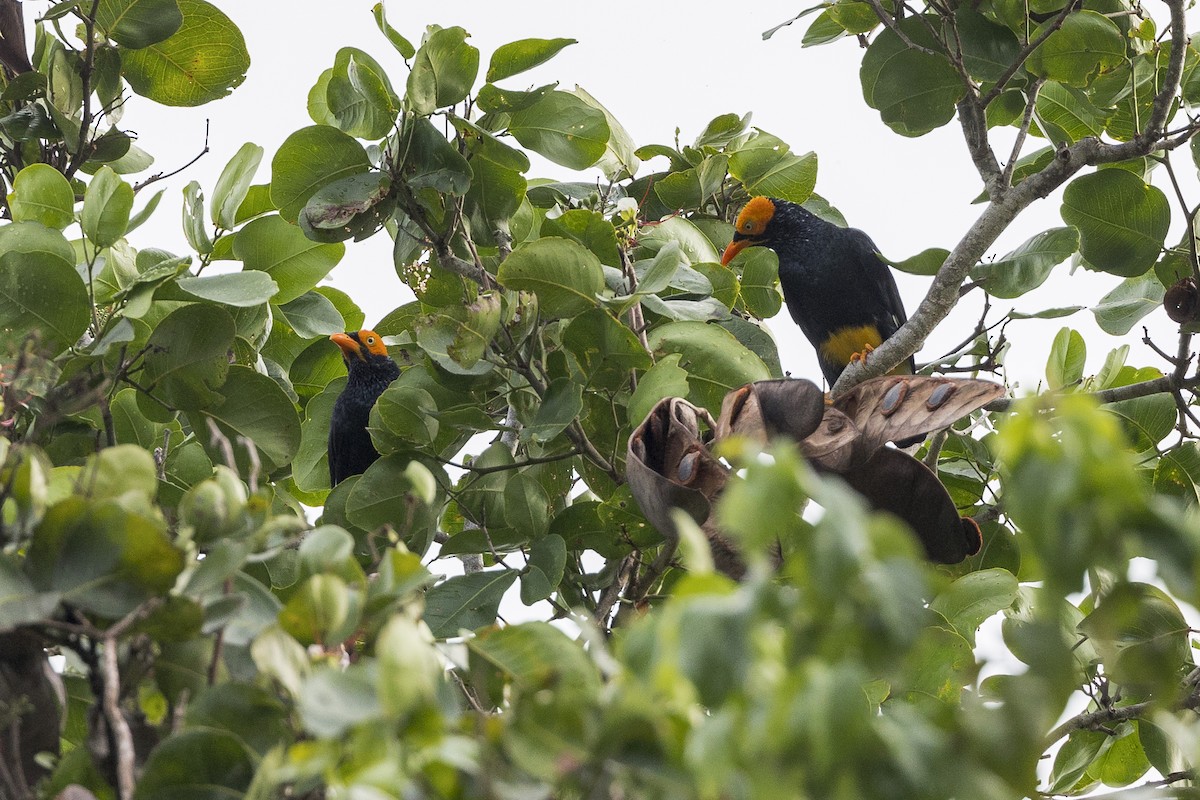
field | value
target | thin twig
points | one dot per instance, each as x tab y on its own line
159	176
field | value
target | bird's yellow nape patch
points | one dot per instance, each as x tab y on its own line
846	343
373	342
753	219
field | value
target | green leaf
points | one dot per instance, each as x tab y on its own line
458	336
322	610
39	291
914	92
402	45
563	128
309	159
760	281
310	467
138	23
312	315
434	162
564	275
547	560
241	289
193	219
1133	298
926	262
387	495
102	557
353	207
443	72
516	57
234	184
1027	267
1074	759
1146	420
199	763
253	714
1066	115
1141	635
1087	43
106	206
973	598
560	407
536	656
590	229
358	96
204	60
665	379
466	601
988	49
123	470
766	166
295	262
188	356
605	349
256	409
1123	760
41	194
1178	473
1122	220
716	363
1068	353
619	161
405	416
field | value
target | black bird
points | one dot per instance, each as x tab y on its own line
837	288
371	371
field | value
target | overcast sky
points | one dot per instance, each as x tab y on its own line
656	66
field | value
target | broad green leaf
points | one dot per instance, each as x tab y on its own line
526	506
854	16
322	610
106	206
102	557
411	670
309	159
697	247
1027	267
443	71
1068	353
1178	473
255	715
1086	44
914	92
402	45
537	656
126	469
295	262
310	468
387	495
515	57
194	229
1122	220
766	166
605	349
716	363
590	229
138	23
823	30
563	128
312	315
204	60
560	407
987	49
1074	758
1146	420
973	598
619	160
434	162
20	601
458	336
1142	636
466	601
234	184
1123	760
41	194
242	289
40	292
1119	310
201	763
353	207
254	411
358	96
547	558
1066	115
564	275
760	281
494	99
403	416
188	356
665	379
926	262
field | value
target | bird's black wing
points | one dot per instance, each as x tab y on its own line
335	457
877	281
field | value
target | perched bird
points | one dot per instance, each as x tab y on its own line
371	371
837	288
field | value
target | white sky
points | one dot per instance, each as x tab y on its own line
655	66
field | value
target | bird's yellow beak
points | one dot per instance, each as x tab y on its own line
350	348
735	247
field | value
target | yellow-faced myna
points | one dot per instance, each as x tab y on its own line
371	371
837	288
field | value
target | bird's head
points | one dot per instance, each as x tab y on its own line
751	227
365	345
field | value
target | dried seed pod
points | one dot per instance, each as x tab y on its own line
1182	301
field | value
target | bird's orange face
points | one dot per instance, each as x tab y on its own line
750	226
360	344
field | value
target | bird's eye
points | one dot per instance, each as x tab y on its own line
747	226
370	340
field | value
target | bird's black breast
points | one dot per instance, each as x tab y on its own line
350	449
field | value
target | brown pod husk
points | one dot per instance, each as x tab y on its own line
1182	301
